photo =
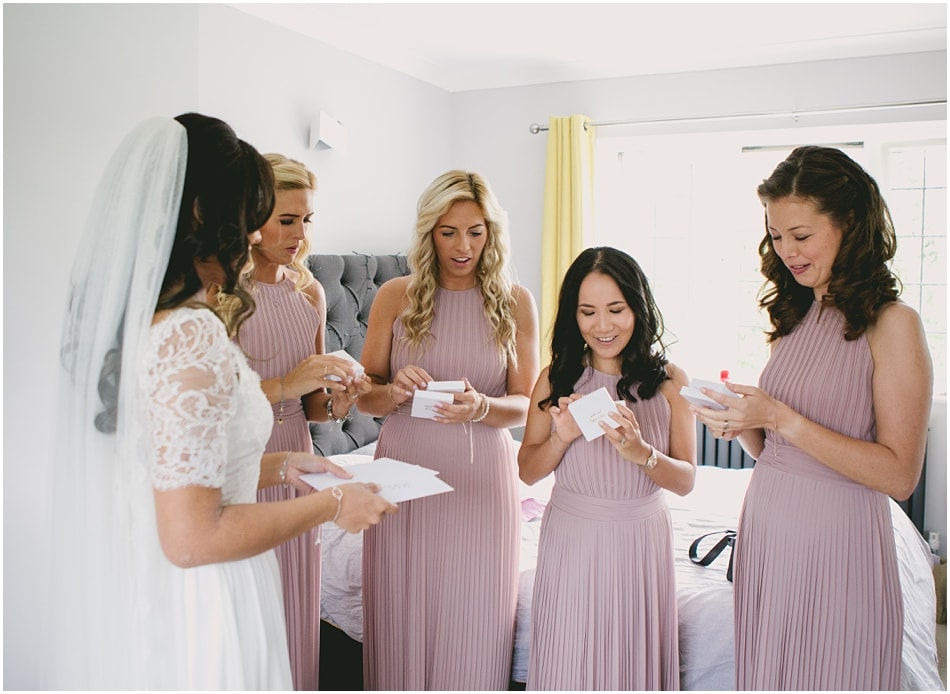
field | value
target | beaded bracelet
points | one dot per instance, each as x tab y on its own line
487	406
338	495
332	417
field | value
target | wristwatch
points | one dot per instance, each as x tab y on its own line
651	461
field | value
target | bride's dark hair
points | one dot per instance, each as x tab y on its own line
228	193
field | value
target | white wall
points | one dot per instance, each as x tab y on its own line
493	137
78	77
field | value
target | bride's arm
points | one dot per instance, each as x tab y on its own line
196	528
191	384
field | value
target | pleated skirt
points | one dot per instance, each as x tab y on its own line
440	577
299	561
817	591
604	602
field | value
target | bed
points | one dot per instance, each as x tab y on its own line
704	596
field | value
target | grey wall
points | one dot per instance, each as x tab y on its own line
78	77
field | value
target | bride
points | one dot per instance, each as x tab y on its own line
164	559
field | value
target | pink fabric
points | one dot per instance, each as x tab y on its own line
277	337
817	593
604	604
440	578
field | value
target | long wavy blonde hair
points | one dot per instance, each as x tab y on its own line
289	174
493	271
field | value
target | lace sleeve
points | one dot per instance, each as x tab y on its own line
189	383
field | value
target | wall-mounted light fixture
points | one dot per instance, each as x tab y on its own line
326	132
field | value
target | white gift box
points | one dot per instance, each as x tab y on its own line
446	386
355	367
423	402
694	395
592	409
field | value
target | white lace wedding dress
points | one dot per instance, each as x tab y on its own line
209	422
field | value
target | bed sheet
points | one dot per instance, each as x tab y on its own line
704	596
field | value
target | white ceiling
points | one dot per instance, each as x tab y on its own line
461	47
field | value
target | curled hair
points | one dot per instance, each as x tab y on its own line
861	281
228	193
493	271
639	361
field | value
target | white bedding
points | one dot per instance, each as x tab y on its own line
704	595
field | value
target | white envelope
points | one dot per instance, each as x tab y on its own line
355	367
590	410
424	400
398	481
694	395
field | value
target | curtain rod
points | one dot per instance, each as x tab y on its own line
536	128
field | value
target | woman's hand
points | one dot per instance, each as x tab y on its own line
298	464
361	506
407	381
318	371
756	409
466	406
565	426
626	438
355	389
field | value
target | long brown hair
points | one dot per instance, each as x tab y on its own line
861	281
228	193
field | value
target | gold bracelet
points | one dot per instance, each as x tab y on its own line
392	399
338	495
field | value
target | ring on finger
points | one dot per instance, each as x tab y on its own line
725	426
623	441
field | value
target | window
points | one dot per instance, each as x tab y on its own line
685	207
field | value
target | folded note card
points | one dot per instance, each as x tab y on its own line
398	481
590	410
423	402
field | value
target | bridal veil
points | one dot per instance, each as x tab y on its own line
107	625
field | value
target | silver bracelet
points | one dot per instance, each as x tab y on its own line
280	414
486	405
283	468
332	417
338	495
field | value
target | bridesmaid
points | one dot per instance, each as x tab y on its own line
603	612
838	425
440	585
284	343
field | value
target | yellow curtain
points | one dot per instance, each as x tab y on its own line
568	210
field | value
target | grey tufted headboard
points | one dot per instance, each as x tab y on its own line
350	283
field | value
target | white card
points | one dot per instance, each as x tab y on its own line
590	410
424	400
398	481
694	395
355	367
446	386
